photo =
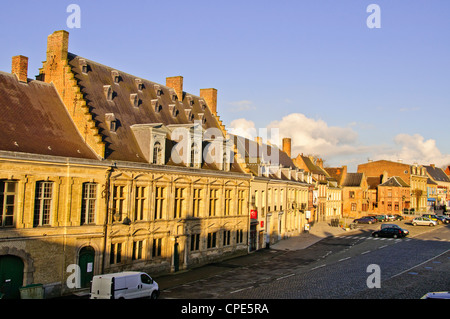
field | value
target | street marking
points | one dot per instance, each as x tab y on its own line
318	267
285	276
365	252
382	246
400	273
241	289
344	258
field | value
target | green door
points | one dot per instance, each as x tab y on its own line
11	277
86	263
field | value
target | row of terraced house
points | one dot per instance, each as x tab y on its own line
111	172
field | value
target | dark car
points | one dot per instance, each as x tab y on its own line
398	217
392	232
364	220
444	219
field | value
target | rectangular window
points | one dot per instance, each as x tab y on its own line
195	242
139	203
137	250
351	194
118	201
115	255
226	237
196	202
396	206
353	207
42	203
156	249
213	199
240	202
227	201
212	240
178	203
7	202
239	236
88	203
159	202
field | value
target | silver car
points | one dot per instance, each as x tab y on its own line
425	221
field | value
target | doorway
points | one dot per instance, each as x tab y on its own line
11	276
86	262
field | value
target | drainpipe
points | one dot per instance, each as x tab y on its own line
107	196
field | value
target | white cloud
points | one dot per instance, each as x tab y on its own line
416	149
310	136
340	145
240	106
243	127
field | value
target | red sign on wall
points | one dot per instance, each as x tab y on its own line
262	224
253	214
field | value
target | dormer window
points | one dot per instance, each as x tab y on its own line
157	153
156	106
189	115
83	66
139	84
202	104
111	122
116	76
173	110
108	91
158	90
134	99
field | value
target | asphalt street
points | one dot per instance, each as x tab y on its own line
336	266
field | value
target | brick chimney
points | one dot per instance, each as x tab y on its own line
210	97
20	67
287	146
58	45
176	83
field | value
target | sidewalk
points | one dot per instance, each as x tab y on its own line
317	232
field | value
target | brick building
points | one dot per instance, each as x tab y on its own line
414	175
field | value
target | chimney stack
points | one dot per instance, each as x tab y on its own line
176	83
20	67
210	96
287	146
58	45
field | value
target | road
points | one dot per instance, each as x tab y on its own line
337	267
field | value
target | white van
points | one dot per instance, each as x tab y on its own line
124	285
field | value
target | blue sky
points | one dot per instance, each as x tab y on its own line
311	68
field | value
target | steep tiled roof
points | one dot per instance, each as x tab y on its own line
353	179
437	174
34	120
394	181
135	101
262	153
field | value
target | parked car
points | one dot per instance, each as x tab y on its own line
124	285
398	217
364	220
432	217
425	221
444	219
390	217
393	232
372	217
381	218
437	295
383	226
